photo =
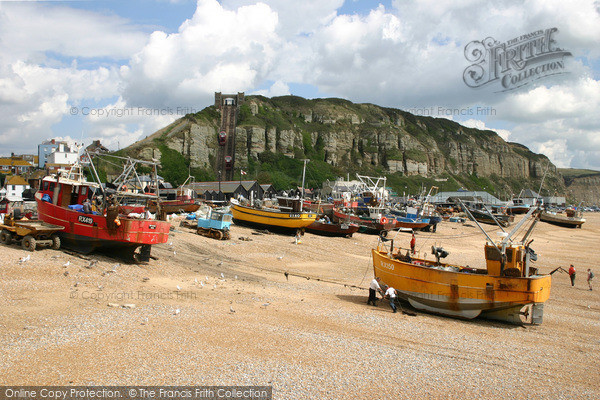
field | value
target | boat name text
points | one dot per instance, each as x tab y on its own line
85	220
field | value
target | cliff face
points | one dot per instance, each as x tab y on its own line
582	185
351	136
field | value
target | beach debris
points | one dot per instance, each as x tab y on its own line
114	305
215	286
222	276
287	276
66	273
129	305
245	239
178	288
170	243
231	310
279	257
24	259
206	278
145	279
220	263
196	281
100	287
201	284
265	305
76	284
91	264
115	267
235	277
176	312
67	264
174	253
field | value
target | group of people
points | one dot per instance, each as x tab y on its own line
390	293
573	273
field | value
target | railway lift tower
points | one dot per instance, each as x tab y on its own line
229	105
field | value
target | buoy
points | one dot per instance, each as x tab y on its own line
117	222
384	220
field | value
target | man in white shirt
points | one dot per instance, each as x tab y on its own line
391	294
373	289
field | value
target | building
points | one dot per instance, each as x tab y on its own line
14	165
225	190
96	147
15	186
467	196
57	152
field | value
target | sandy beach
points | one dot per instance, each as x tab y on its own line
209	312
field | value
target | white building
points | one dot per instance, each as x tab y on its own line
14	187
57	152
64	154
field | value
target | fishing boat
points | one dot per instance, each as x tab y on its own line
60	202
570	219
374	223
327	228
181	200
508	289
410	223
270	218
487	217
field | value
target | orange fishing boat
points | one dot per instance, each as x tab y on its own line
507	289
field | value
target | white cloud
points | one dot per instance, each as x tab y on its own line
409	56
478	124
32	29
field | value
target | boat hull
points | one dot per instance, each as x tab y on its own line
460	294
174	206
561	220
365	225
271	219
87	232
332	229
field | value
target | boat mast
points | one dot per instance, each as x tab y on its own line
97	178
303	177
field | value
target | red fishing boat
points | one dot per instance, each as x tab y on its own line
325	228
375	223
60	202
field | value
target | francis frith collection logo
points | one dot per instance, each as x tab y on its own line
516	62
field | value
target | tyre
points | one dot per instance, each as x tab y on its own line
5	237
28	243
218	235
55	242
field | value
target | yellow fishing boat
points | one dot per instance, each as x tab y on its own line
271	218
508	289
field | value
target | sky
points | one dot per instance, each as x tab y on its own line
118	71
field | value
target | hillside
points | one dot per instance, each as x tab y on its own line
343	138
582	185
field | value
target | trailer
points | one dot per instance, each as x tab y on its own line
30	233
210	222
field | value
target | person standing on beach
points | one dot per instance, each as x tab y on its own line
413	243
572	274
373	289
391	294
590	277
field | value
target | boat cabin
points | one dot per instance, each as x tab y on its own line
66	192
514	264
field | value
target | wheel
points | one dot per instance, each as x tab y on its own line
28	243
218	235
55	242
5	237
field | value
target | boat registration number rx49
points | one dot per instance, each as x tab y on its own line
85	220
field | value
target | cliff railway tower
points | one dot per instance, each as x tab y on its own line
229	105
